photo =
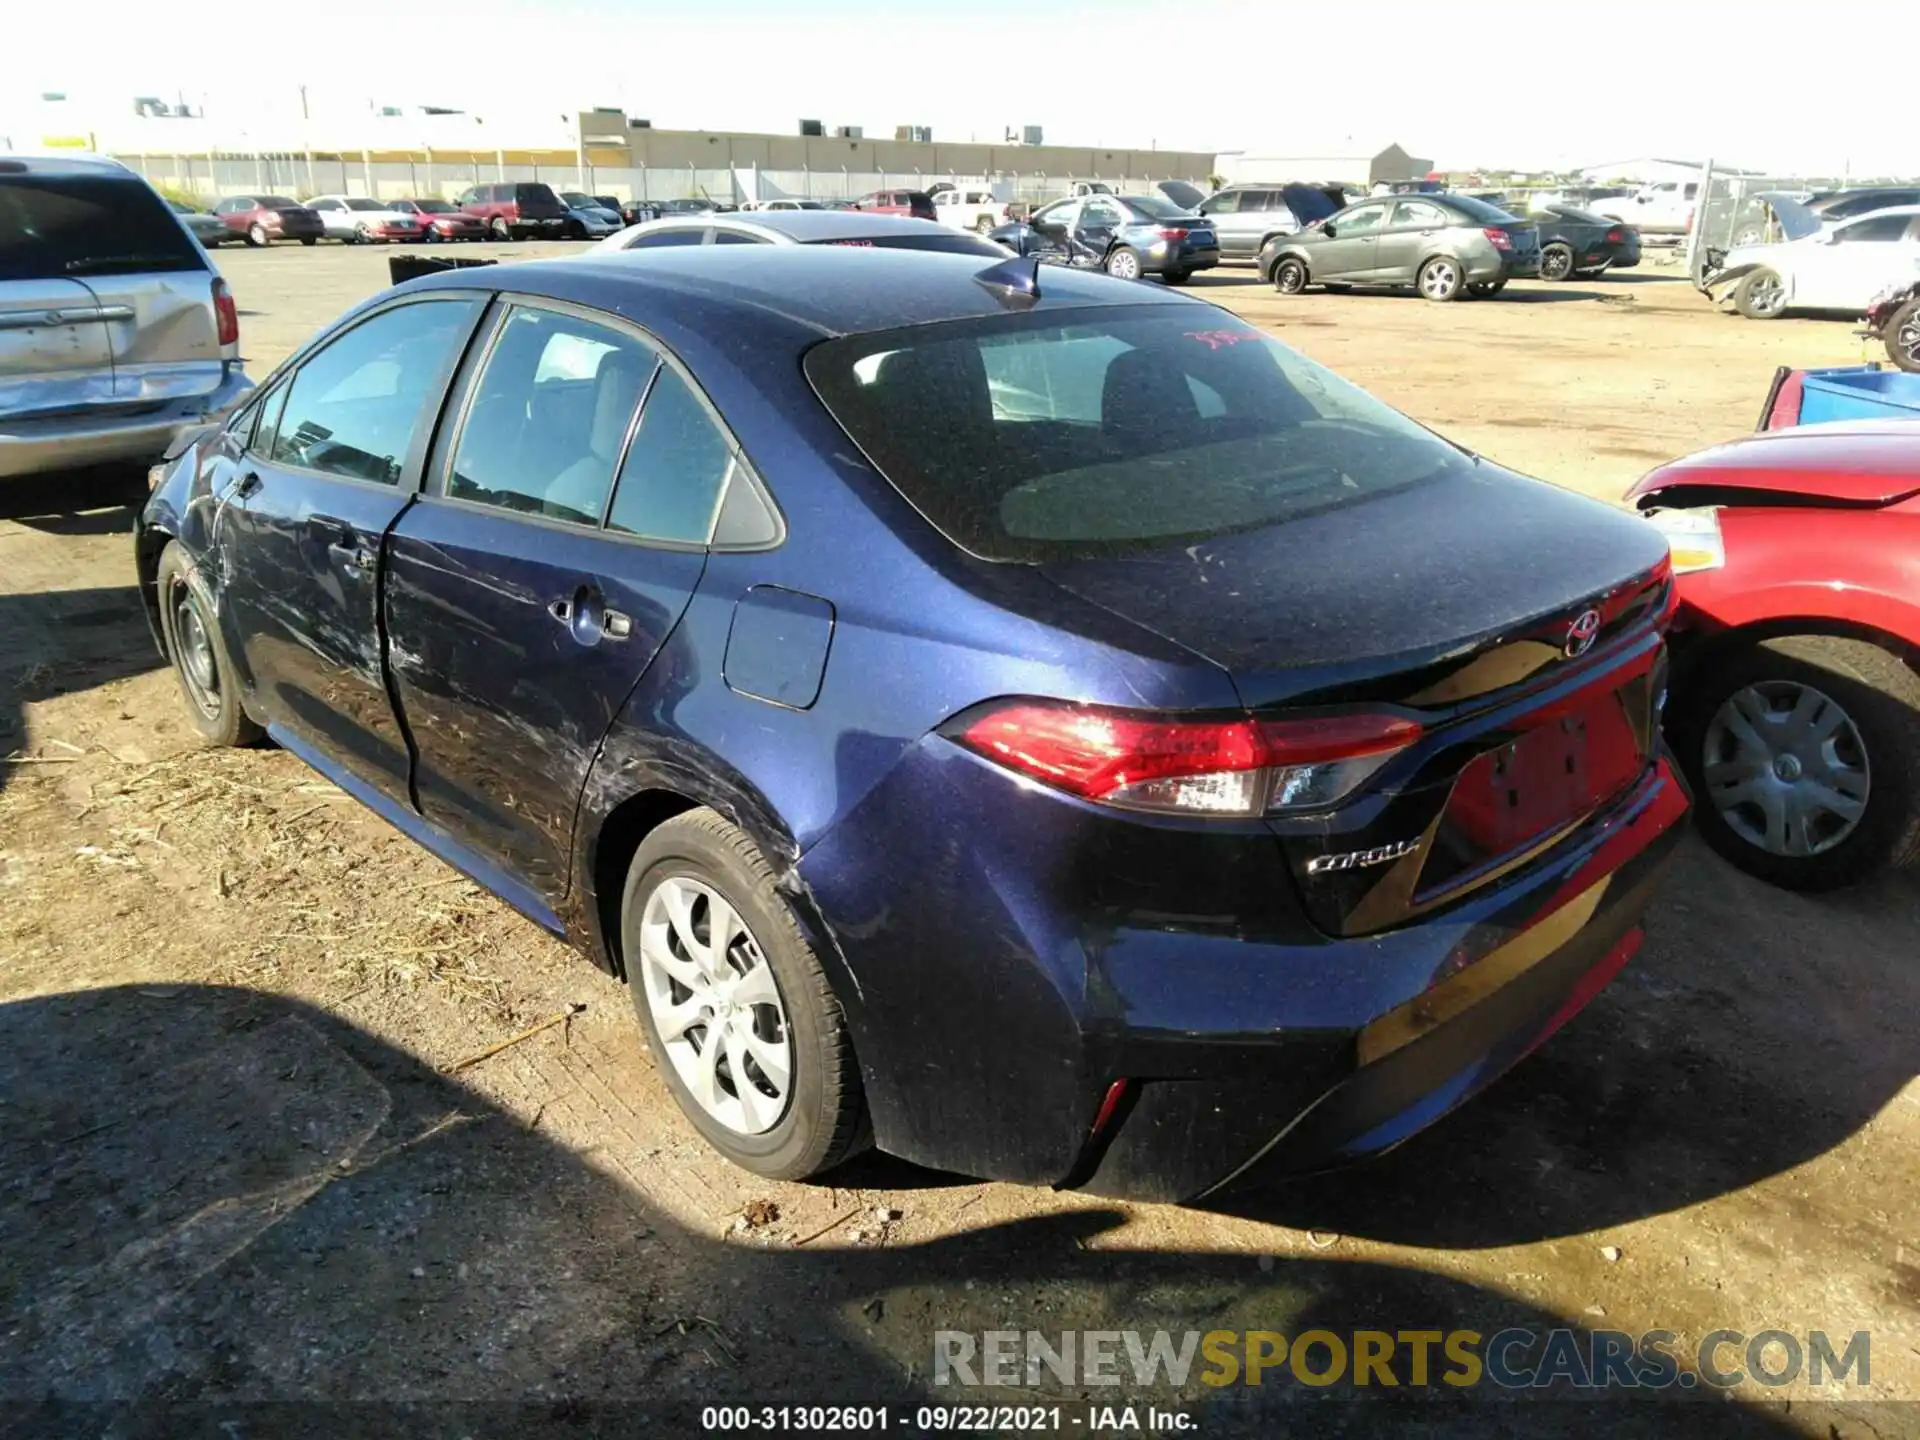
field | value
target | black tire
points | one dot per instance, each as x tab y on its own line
825	1119
1903	336
499	229
257	235
198	652
1176	277
1289	275
309	240
1556	261
1760	295
1441	279
1337	289
1486	289
983	224
1878	691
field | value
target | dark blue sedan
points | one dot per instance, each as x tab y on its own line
1038	723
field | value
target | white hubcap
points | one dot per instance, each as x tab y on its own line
716	1006
1786	768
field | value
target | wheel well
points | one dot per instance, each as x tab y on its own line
1709	648
621	834
146	566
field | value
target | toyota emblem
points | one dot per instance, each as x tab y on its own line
1581	634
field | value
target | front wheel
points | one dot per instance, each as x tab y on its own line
1804	752
1290	276
198	652
257	235
1439	279
1903	336
983	225
739	1013
1556	261
1123	264
1761	295
500	229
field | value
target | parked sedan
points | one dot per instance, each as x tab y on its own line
1165	855
263	219
1443	246
1841	267
360	220
441	220
209	230
797	227
1577	244
1126	235
587	218
1796	704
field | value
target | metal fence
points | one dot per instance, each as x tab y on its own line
206	177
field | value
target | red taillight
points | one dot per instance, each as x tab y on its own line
226	314
1172	233
1501	240
1616	236
1240	766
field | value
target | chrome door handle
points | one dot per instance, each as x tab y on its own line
562	610
616	624
351	556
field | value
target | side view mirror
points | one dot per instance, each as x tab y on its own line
1327	228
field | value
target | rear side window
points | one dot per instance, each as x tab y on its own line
1880	227
57	226
675	468
356	406
656	239
550	416
1036	440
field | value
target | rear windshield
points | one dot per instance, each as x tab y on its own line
276	202
1479	210
1581	217
1043	438
941	242
534	195
54	226
433	207
1154	208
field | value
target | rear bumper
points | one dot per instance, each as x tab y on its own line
1000	982
66	442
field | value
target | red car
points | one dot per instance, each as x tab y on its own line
442	221
917	203
1796	686
263	219
515	211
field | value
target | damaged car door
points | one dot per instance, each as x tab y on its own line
335	457
562	532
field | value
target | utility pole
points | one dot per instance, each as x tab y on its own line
306	140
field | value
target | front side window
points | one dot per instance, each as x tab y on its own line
1035	439
549	416
1226	203
355	407
675	469
1363	221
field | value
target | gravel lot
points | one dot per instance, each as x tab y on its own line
237	1169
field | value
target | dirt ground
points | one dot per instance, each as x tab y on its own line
243	1171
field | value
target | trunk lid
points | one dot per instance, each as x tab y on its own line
1520	625
54	354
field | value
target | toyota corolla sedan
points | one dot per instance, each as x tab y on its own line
957	736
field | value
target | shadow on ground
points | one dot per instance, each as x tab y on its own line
1700	1071
98	501
226	1214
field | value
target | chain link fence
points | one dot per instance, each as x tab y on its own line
1735	209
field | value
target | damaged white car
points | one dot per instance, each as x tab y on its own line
1841	267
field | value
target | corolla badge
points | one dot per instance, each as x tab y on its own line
1581	634
1361	859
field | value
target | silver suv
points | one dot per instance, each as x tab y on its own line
115	332
1245	217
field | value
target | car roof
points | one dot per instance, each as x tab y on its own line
797	226
825	289
12	163
1876	214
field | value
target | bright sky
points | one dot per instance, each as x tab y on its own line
1761	83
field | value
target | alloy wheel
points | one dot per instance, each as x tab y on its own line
1556	263
1786	768
1123	264
1906	339
1767	294
716	1006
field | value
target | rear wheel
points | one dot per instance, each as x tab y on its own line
736	1007
983	224
1289	276
1176	277
1903	336
309	240
1556	261
362	235
198	653
1761	295
1439	279
1486	289
1804	752
256	235
1122	263
500	229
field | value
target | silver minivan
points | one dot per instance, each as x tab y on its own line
116	333
1245	217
